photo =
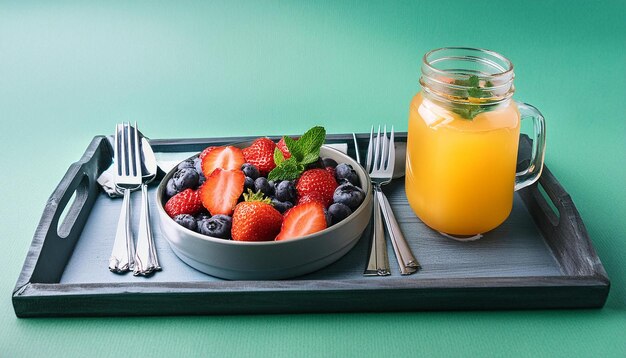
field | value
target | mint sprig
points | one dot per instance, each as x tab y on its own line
475	90
304	151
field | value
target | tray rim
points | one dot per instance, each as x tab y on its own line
36	299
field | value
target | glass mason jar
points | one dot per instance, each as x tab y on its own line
463	135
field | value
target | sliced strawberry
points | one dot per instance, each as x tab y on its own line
301	220
283	148
186	202
221	190
206	151
226	158
261	154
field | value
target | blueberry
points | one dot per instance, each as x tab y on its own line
329	162
264	186
248	184
216	226
345	173
187	221
349	195
338	212
203	215
329	218
281	206
250	171
197	163
185	178
286	191
170	190
189	163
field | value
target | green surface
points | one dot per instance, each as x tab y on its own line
69	71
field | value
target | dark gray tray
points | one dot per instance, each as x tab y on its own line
539	258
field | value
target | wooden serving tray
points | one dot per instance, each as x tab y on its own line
539	258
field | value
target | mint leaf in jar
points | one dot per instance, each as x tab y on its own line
474	90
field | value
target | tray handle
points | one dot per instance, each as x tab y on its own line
60	226
576	257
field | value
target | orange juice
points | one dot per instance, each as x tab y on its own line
460	173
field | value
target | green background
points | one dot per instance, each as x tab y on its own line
71	70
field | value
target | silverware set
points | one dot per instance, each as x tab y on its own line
380	163
135	166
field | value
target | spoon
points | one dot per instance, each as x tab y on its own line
146	261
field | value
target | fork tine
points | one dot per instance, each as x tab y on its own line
376	164
356	149
368	159
124	150
136	155
129	149
116	150
391	158
384	148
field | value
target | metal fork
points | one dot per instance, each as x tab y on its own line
378	263
381	157
127	178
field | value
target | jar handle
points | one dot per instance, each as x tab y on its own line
530	175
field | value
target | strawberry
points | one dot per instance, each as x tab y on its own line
186	202
227	158
261	154
221	190
301	220
283	148
256	219
206	151
317	182
311	197
331	170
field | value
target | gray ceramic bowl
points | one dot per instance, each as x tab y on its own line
237	260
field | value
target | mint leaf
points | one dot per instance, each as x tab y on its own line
312	140
475	92
470	110
304	151
310	158
308	146
287	170
278	156
473	81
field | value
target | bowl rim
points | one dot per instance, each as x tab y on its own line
219	241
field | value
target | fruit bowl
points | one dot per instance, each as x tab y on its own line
268	260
